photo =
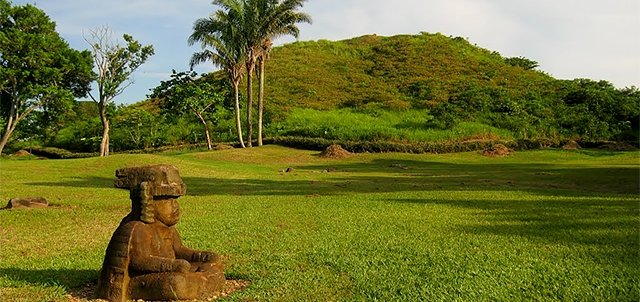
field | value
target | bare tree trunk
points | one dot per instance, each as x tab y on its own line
104	143
250	69
237	109
261	63
206	131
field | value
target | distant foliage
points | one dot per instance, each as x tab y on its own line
523	62
410	126
186	92
596	110
421	93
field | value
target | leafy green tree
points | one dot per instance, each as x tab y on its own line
80	129
596	110
523	62
276	18
115	64
135	128
38	69
222	45
185	92
628	113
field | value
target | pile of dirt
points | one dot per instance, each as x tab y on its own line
220	147
335	151
497	150
571	145
21	153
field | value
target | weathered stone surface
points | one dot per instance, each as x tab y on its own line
164	180
27	202
145	258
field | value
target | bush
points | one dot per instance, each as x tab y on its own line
57	153
418	148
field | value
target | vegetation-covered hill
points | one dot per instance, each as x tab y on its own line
396	72
406	89
446	82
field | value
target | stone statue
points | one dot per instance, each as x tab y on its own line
145	258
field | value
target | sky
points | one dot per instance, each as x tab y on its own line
570	39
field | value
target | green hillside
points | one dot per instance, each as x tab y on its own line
439	88
398	72
407	90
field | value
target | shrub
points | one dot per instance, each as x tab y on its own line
58	153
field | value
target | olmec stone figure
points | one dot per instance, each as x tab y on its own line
145	258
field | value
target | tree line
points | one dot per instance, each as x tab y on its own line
446	82
39	72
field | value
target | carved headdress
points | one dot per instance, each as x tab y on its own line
146	183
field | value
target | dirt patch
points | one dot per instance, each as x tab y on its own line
335	151
497	150
87	292
571	145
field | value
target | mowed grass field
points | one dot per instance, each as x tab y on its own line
536	225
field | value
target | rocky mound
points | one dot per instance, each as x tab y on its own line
497	150
335	151
21	153
571	145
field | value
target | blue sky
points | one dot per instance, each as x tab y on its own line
569	38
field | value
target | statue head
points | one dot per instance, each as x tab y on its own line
153	191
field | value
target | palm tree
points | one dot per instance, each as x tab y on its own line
223	45
246	21
251	37
241	32
277	18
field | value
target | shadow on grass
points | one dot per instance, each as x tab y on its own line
67	278
610	226
407	176
80	182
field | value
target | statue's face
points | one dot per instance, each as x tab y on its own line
167	211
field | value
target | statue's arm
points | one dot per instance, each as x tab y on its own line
183	252
142	260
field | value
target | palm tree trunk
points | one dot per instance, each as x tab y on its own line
250	69
261	63
237	110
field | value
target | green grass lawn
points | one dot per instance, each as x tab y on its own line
537	225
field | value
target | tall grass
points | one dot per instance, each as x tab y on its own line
380	125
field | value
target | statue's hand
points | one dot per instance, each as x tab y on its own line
204	257
181	265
